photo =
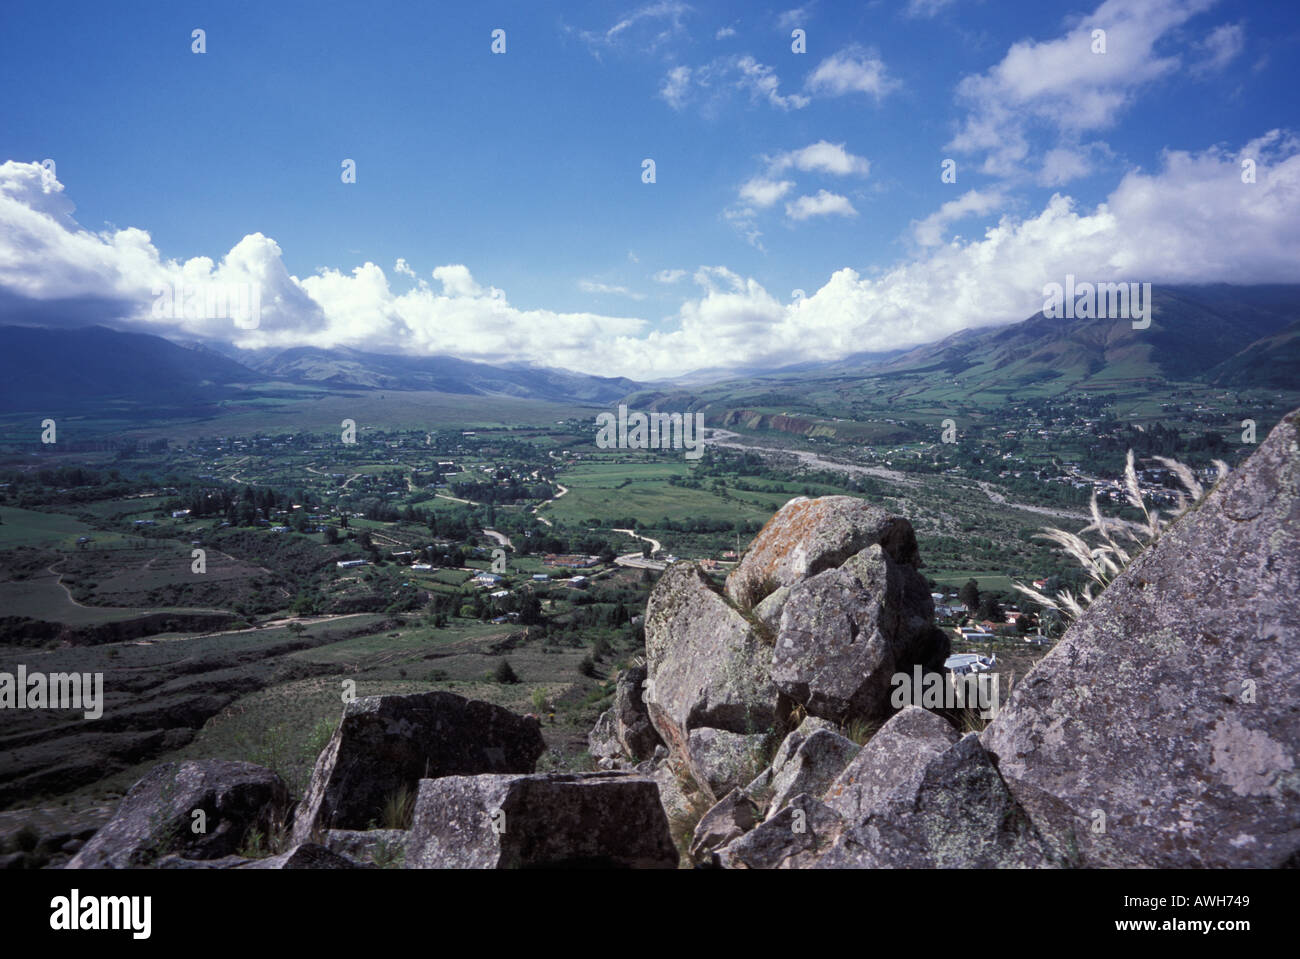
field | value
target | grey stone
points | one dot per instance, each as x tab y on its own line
386	743
733	816
846	631
720	760
893	756
807	536
549	820
1172	706
156	816
953	813
813	767
795	838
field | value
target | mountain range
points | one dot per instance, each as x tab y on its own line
1231	336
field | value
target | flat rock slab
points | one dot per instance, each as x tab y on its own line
386	743
595	820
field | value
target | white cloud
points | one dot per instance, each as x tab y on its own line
1220	48
725	32
723	75
592	286
930	231
926	9
404	268
669	276
821	157
824	203
1190	221
1062	86
762	192
793	18
762	82
851	71
664	19
676	87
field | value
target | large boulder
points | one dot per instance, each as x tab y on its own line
385	744
812	768
157	815
954	812
602	741
807	536
846	631
550	820
1163	729
895	754
706	668
632	725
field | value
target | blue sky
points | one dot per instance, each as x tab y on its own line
518	176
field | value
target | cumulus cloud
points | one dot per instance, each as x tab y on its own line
1190	221
852	70
762	192
821	157
824	203
930	231
1062	86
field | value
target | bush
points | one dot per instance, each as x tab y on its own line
504	673
587	667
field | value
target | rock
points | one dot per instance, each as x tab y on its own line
155	817
795	838
731	818
953	813
386	743
768	612
895	754
706	668
720	760
807	536
813	767
678	806
632	724
1172	706
846	631
549	820
380	846
304	856
602	741
796	738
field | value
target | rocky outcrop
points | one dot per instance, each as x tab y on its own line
706	670
198	809
385	744
807	536
720	760
610	820
1163	729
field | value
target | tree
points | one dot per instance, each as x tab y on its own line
970	595
504	674
331	535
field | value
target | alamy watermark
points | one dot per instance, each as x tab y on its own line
946	691
84	691
1111	301
651	431
239	302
